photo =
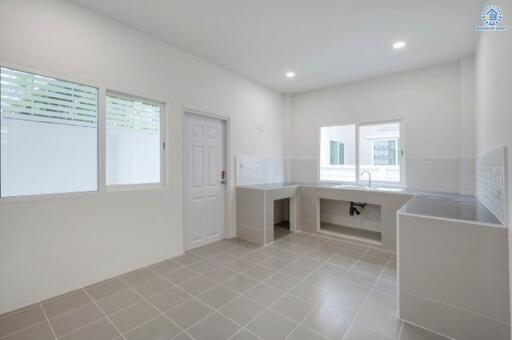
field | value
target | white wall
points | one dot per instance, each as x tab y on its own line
428	101
51	245
494	96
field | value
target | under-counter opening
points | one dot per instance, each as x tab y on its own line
281	218
359	221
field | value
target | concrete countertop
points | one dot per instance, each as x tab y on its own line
427	204
450	206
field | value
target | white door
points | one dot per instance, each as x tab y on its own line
204	188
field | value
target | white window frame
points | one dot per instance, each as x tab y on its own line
358	181
101	188
163	146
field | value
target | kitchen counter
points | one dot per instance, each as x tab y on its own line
429	204
450	206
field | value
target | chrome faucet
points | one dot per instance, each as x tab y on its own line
369	178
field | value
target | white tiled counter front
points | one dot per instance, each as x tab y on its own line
453	268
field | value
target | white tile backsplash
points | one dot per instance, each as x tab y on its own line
258	170
441	175
491	181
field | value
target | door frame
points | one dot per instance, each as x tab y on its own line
225	120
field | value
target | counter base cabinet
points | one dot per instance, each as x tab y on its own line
327	211
453	277
257	212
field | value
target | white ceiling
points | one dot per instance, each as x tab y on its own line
326	42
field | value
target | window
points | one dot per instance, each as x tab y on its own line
377	147
337	153
385	152
48	135
378	151
134	145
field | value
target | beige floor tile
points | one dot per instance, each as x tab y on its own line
239	265
411	332
332	269
387	303
218	296
240	283
379	253
302	333
274	263
264	294
187	258
320	255
39	331
202	266
244	335
379	321
241	310
20	319
215	326
351	289
255	257
271	326
308	263
189	313
282	281
158	328
133	316
99	330
197	285
138	276
355	248
180	275
327	323
322	280
165	266
292	307
259	273
183	336
310	293
72	320
66	302
389	274
386	286
169	299
117	301
222	258
375	260
295	271
361	279
220	273
238	251
152	287
340	306
358	332
105	288
368	268
342	261
287	256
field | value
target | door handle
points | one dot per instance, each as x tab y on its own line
223	177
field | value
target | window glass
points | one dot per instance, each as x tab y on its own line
379	148
338	153
48	133
133	141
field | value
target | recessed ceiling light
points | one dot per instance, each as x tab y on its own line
290	74
399	44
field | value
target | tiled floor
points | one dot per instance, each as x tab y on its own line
300	287
281	230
